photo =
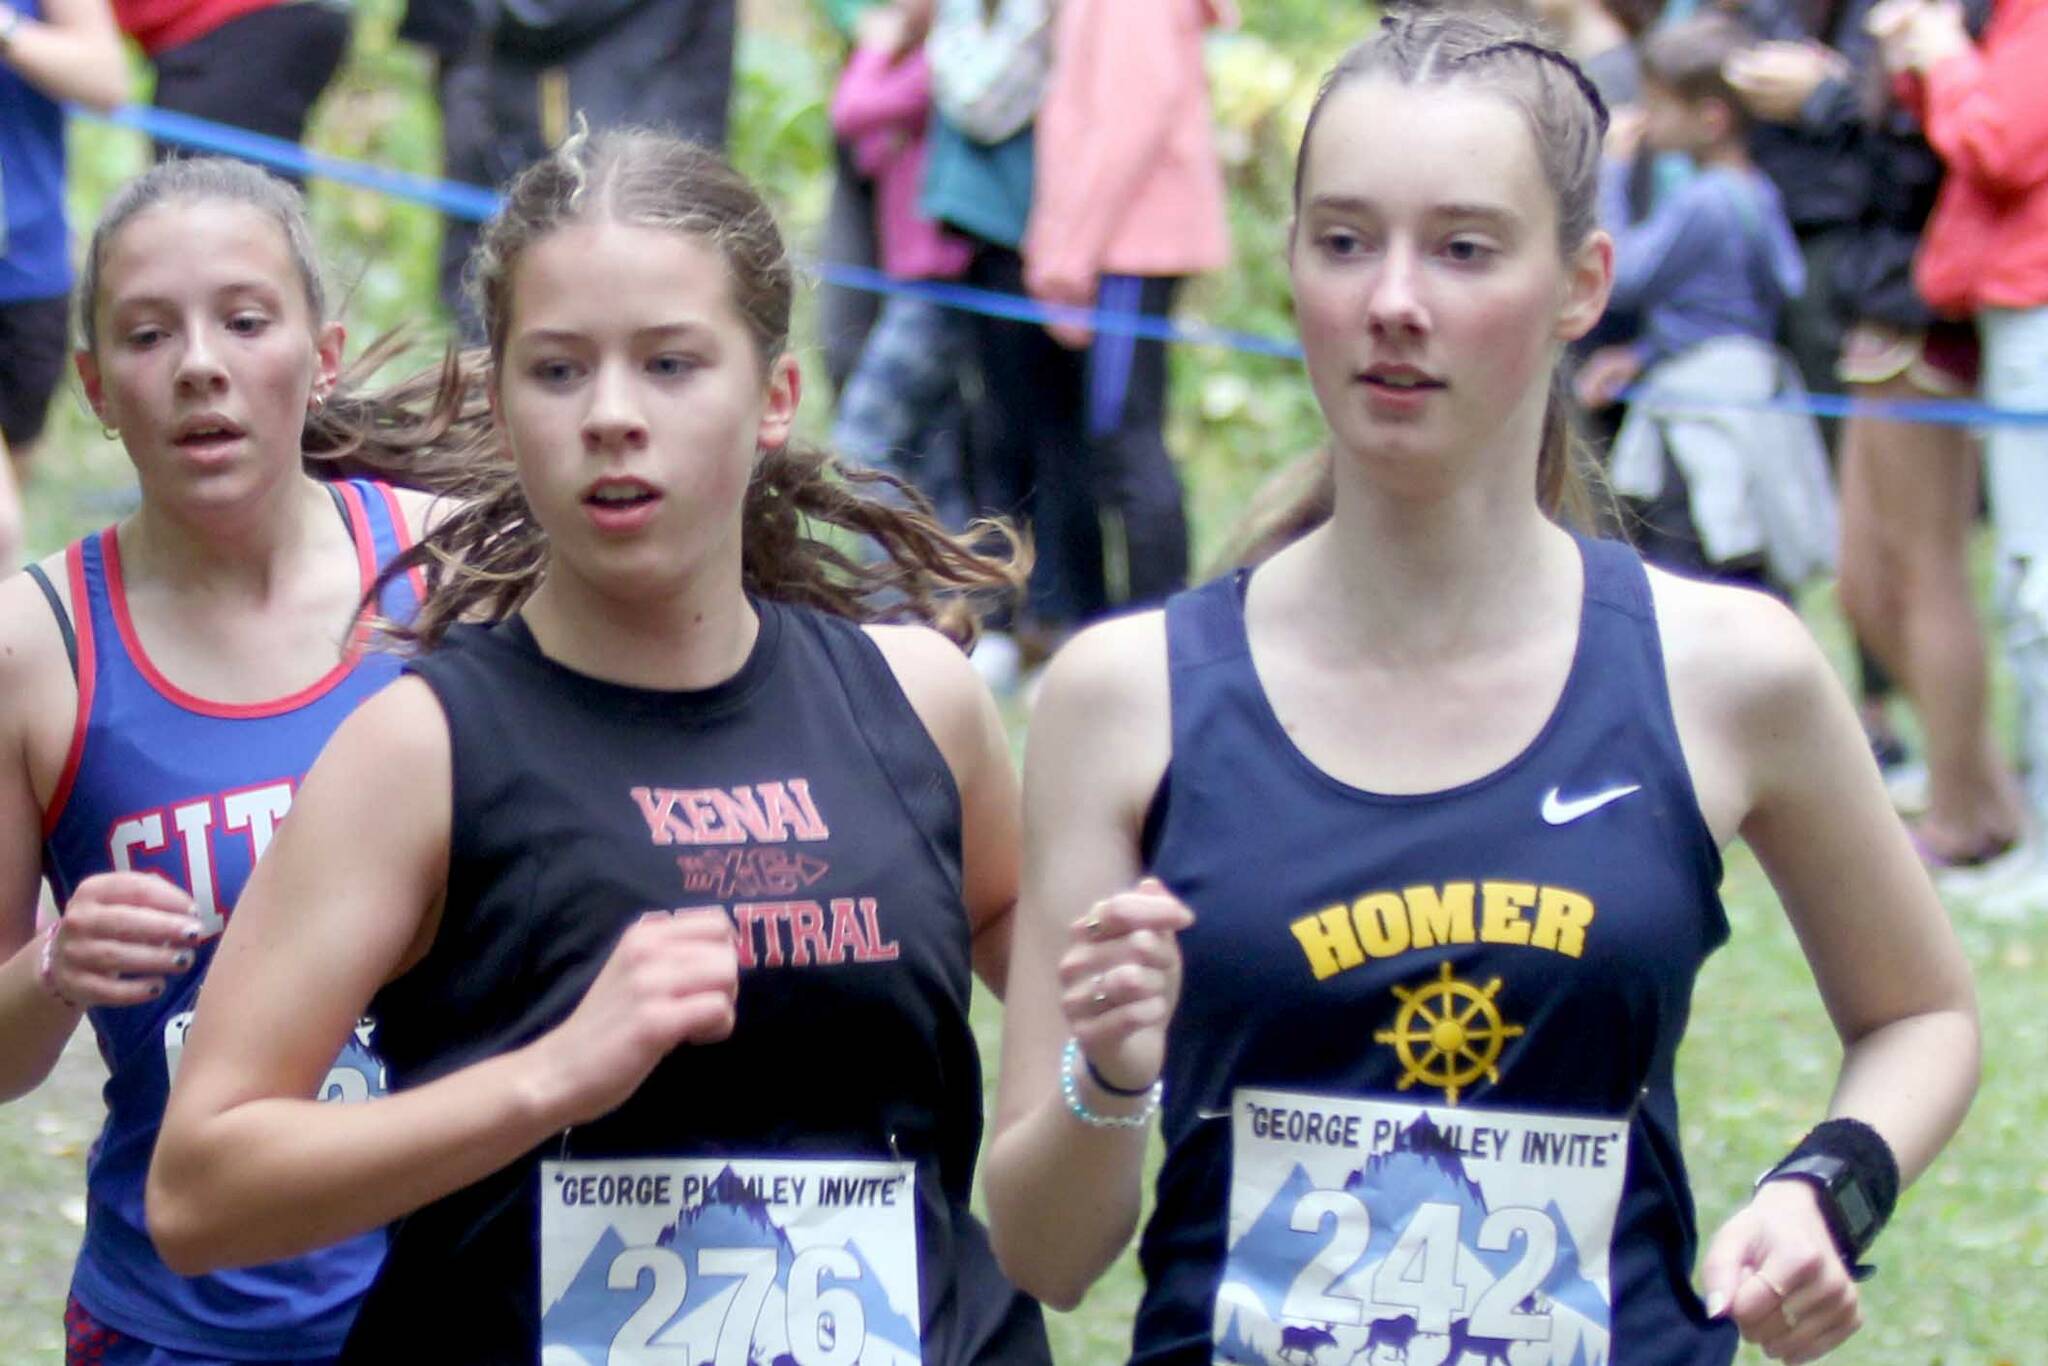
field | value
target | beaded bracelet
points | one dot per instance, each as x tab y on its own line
1070	1091
46	966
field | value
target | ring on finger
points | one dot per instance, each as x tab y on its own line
1101	996
1791	1316
1775	1288
1091	923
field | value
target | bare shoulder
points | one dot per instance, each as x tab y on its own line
35	670
386	775
943	688
1116	668
1760	713
1103	718
422	511
401	725
1744	652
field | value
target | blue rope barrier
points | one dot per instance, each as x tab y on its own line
457	200
474	203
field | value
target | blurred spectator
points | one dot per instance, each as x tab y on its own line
1590	33
845	315
1861	181
450	30
1735	492
520	78
1985	107
1128	202
990	60
902	405
254	64
50	51
1858	181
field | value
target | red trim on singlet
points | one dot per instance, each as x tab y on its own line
401	531
88	672
117	595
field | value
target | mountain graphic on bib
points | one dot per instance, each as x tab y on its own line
1274	1256
590	1314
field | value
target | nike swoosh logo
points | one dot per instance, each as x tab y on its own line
1559	811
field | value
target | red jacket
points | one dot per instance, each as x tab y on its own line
1986	113
158	25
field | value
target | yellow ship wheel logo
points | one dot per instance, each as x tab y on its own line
1448	1034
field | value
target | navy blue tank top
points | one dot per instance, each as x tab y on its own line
804	797
163	782
1420	1081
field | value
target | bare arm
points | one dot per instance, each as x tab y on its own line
955	706
34	679
1064	1196
247	1169
1800	781
73	53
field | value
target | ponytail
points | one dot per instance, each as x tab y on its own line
1569	486
426	431
483	561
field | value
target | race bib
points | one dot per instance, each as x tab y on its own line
728	1262
1370	1232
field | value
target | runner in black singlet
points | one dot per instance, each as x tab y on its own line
681	871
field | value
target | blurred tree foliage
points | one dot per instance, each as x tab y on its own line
1235	417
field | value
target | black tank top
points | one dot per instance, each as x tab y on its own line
805	797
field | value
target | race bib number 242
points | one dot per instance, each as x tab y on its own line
1368	1231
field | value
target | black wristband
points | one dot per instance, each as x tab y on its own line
1103	1083
1855	1178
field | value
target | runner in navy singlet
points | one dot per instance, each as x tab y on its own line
165	684
1431	806
682	872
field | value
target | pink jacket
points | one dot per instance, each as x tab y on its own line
880	110
1986	112
1128	181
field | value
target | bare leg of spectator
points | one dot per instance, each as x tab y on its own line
1909	497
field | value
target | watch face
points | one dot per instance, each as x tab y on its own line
1855	1209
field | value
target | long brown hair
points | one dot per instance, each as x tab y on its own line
1508	57
489	554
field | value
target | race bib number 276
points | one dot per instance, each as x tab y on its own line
728	1262
1366	1231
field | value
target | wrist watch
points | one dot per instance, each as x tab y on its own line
10	23
1851	1215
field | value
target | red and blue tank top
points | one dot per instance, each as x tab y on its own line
1419	1087
160	781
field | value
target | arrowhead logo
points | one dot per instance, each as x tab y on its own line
1561	810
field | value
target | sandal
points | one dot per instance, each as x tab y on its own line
1939	862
